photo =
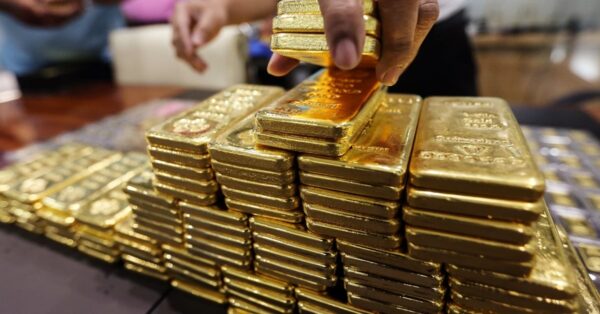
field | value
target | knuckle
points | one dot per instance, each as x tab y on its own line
429	10
399	46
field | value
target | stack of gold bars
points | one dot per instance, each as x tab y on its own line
179	146
476	204
356	197
299	32
256	180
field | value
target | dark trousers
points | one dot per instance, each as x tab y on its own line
445	65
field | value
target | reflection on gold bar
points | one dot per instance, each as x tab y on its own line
157	235
220	248
313	48
350	202
291	233
264	302
284	204
196	198
200	234
287	190
179	272
167	156
323	304
106	211
217	227
204	187
300	261
237	146
262	176
312	7
473	145
483	228
283	244
359	237
107	258
476	206
380	155
265	295
61	239
352	221
179	252
257	280
183	171
218	258
331	104
284	274
382	302
203	293
158	216
304	144
462	304
390	193
214	213
313	23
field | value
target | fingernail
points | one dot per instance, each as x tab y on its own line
345	54
391	76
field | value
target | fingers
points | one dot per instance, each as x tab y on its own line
182	21
280	65
208	25
405	25
345	31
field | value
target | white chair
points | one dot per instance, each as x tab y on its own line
145	56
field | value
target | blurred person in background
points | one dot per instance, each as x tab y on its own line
411	61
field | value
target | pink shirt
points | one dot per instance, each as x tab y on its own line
148	11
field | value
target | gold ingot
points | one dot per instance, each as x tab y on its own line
140	262
379	241
323	303
590	255
192	130
393	302
257	175
158	235
594	199
146	272
264	306
477	305
307	252
160	226
6	217
217	227
56	218
470	245
30	227
473	145
400	275
140	254
351	220
140	205
179	272
265	295
332	104
273	190
562	198
393	286
376	307
257	280
395	259
304	144
313	23
219	259
237	146
288	205
484	228
200	234
157	216
291	233
181	253
578	225
267	270
390	193
108	241
313	48
191	197
60	239
99	248
106	211
147	196
268	252
241	303
214	213
282	266
586	180
380	155
110	259
203	293
219	248
470	261
203	187
353	203
483	207
125	230
312	7
165	156
190	173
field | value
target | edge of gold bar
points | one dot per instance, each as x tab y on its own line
331	104
219	258
308	252
392	300
313	48
184	171
312	7
177	158
350	202
263	176
284	204
390	193
194	233
475	145
193	129
328	303
295	271
217	227
264	301
291	233
361	237
477	206
257	279
351	220
293	216
205	187
478	305
181	253
97	254
303	144
191	197
200	292
214	213
376	306
268	295
287	190
146	272
313	23
380	155
294	259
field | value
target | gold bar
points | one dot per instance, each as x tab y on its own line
178	271
257	280
291	233
483	207
351	220
473	145
470	261
178	158
190	173
327	257
489	229
237	146
61	239
312	7
380	155
204	187
220	248
304	144
313	23
181	253
313	48
97	255
141	188
478	305
203	293
146	272
157	235
356	236
470	245
192	130
218	227
390	193
353	203
393	302
393	286
267	270
162	227
106	211
257	175
247	307
162	217
287	190
200	234
386	272
395	259
140	254
282	204
140	262
375	306
266	295
190	197
88	234
281	266
143	205
264	305
327	269
322	301
228	217
125	231
99	248
219	259
294	217
331	104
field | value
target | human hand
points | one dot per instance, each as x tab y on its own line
404	24
195	23
43	12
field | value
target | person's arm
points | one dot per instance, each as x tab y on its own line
196	22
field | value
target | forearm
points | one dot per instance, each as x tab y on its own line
242	11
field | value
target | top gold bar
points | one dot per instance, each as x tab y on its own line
332	104
380	155
192	130
314	23
312	7
473	146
